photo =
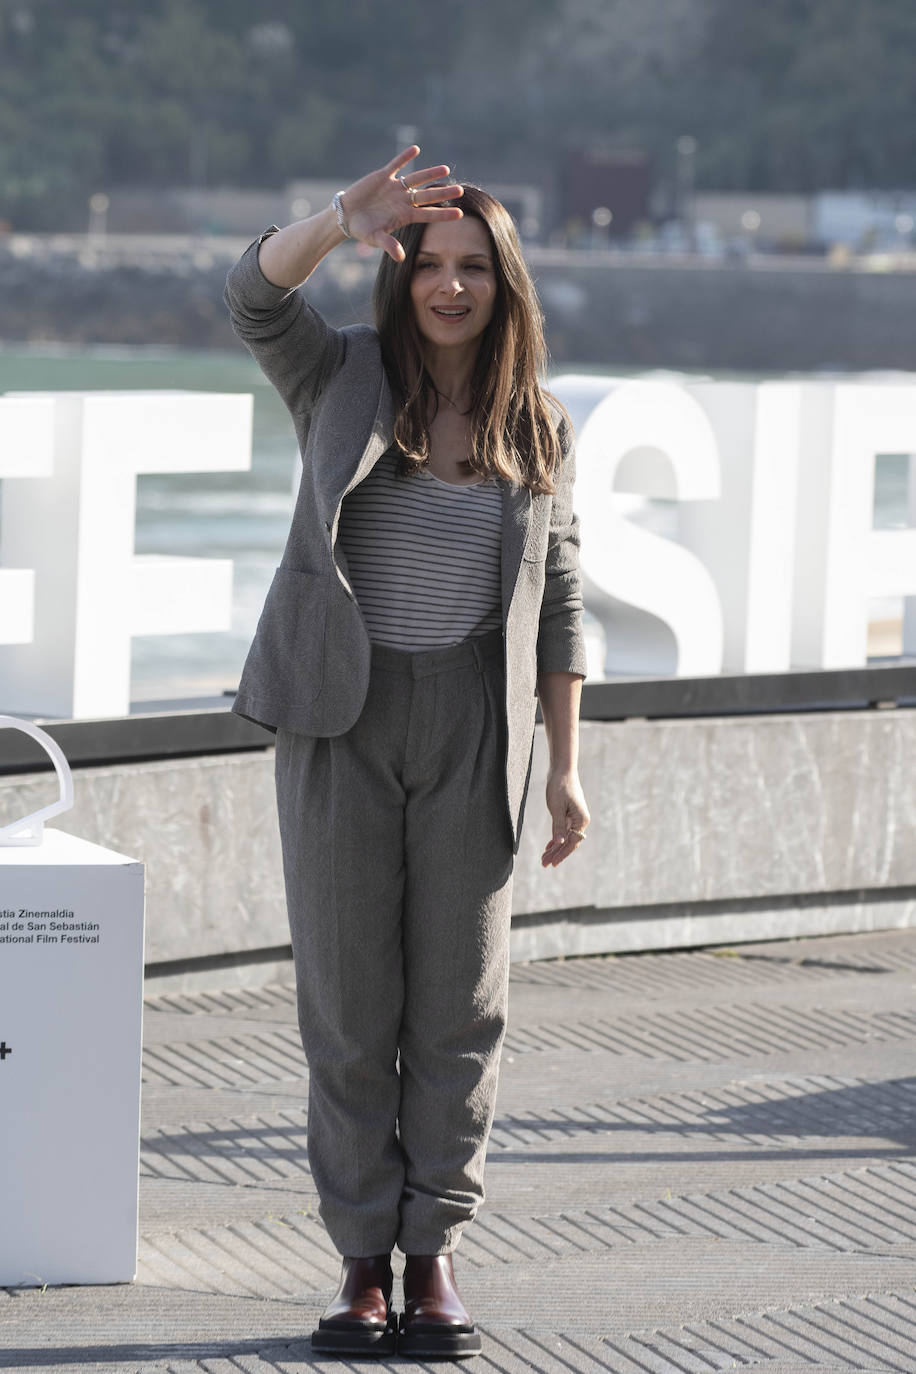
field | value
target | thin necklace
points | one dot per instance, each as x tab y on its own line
443	396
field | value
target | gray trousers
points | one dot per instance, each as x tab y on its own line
397	857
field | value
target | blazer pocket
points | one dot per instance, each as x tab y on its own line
288	650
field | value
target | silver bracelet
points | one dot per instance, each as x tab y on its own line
341	217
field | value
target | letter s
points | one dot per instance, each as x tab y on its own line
665	434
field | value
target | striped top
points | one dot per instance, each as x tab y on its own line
423	556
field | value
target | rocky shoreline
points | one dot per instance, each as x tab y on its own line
615	313
60	299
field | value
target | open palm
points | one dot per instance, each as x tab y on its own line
378	204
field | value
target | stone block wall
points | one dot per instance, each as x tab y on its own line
704	831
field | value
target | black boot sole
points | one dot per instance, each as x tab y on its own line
434	1342
335	1338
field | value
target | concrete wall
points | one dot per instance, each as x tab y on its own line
704	831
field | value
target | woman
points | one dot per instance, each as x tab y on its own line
427	597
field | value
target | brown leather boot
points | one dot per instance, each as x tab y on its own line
359	1319
435	1323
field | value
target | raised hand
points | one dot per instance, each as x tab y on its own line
378	204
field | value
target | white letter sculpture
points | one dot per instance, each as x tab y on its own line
92	593
770	565
746	539
26	451
842	560
653	439
773	568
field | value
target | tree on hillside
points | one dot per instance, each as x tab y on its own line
801	94
783	95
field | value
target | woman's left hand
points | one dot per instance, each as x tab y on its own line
569	813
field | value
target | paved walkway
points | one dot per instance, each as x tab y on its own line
701	1161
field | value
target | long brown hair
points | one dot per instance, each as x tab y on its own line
513	432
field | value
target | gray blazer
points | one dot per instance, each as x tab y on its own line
308	667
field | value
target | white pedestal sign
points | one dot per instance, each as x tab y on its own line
71	986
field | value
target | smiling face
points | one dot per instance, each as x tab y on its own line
453	286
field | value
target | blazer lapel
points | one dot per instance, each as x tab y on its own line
516	521
381	437
355	427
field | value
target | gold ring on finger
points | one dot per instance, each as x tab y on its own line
579	833
410	191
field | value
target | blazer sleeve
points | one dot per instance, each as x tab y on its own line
560	646
295	348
